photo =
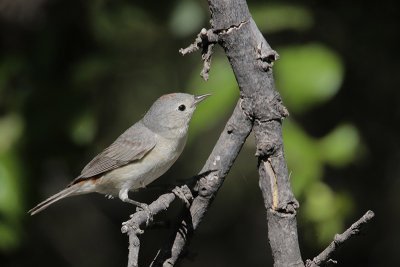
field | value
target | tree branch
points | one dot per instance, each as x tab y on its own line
251	59
324	258
218	165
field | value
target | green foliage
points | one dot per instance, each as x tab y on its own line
83	128
308	75
302	157
277	17
121	26
186	18
90	71
223	86
326	210
11	182
340	147
9	68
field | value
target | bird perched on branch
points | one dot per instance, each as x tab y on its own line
140	155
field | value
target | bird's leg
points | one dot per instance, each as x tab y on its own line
123	195
184	194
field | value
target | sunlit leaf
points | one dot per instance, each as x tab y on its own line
10	185
302	157
223	87
340	146
277	17
326	230
326	210
308	75
319	204
11	127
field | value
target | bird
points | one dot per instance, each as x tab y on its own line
141	154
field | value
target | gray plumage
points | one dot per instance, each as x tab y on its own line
132	145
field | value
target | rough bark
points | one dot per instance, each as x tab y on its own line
251	59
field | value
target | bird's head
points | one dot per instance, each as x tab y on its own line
172	113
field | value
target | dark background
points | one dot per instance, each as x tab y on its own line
76	74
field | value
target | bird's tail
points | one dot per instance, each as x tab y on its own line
60	195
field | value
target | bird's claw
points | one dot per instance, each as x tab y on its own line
184	194
144	207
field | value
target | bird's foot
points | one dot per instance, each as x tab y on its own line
123	195
184	194
144	207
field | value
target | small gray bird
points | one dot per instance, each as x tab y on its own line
140	155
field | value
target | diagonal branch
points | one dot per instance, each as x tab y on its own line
205	185
219	162
325	256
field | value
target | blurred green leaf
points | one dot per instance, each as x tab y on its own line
319	204
122	25
326	230
302	157
83	128
9	67
90	70
11	128
308	75
277	17
327	210
9	237
10	185
222	84
340	146
186	18
11	201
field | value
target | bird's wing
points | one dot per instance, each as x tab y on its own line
132	145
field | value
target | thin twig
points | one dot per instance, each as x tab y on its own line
132	226
324	257
205	40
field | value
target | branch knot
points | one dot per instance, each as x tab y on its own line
266	55
205	40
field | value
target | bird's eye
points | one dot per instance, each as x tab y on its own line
182	107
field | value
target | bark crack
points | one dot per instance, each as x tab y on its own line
232	27
274	185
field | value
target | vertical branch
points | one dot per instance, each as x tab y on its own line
133	230
251	59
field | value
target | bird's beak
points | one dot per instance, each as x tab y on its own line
198	99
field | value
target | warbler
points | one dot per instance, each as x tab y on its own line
140	155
